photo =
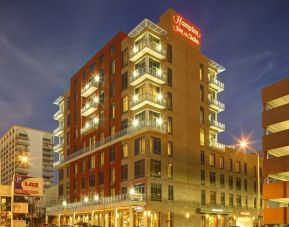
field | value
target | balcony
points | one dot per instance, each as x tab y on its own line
216	145
277	144
98	202
89	108
89	88
216	84
276	165
275	216
59	131
89	127
216	105
147	47
147	98
21	170
58	115
153	74
218	126
58	147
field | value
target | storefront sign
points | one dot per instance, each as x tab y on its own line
245	213
217	210
186	29
20	208
30	186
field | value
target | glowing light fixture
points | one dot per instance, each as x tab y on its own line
96	78
159	72
135	98
159	121
159	96
96	198
159	47
64	203
135	122
96	120
187	215
135	73
96	99
85	199
24	159
132	191
135	49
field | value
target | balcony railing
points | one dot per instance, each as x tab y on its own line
216	84
89	127
89	88
217	145
22	170
59	131
147	98
147	46
216	104
217	125
89	108
58	115
147	72
116	137
58	147
130	198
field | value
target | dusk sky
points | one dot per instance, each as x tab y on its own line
43	43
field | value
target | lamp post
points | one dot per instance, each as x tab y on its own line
244	144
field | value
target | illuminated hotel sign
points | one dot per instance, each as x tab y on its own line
186	29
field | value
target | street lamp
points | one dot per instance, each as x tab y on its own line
244	144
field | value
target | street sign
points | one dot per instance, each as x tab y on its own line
28	186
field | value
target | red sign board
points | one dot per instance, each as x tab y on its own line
30	186
186	29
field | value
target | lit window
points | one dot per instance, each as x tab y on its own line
124	150
125	104
170	148
211	159
101	163
170	170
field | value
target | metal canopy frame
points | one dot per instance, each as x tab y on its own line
146	23
216	66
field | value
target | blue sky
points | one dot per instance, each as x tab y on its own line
42	43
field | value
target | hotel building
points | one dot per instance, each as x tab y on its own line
275	99
26	151
139	137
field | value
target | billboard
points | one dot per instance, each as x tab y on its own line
28	186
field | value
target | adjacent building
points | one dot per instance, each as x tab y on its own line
138	136
26	151
275	99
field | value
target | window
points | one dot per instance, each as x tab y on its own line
124	58
91	180
84	75
221	162
111	89
92	67
170	77
101	75
230	164
255	186
124	81
170	170
60	174
124	150
170	193
92	162
139	146
245	185
202	157
125	104
156	192
203	177
203	197
231	200
238	183
245	168
101	159
83	166
112	175
246	201
112	49
202	137
169	53
202	94
170	148
101	178
83	183
139	168
101	59
201	72
124	172
239	201
222	180
139	188
212	159
170	125
212	177
238	166
111	154
202	116
255	171
60	189
255	203
212	197
124	124
112	111
231	182
112	67
155	145
223	200
155	168
170	101
75	185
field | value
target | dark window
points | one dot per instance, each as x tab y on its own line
139	168
202	157
203	197
239	201
202	115
83	183
203	177
170	192
245	168
92	68
230	164
169	53
238	183
139	146
124	124
60	189
91	180
202	94
124	172
155	168
124	81
170	101
61	174
111	89
139	188
231	200
156	147
223	199
156	192
212	177
222	180
124	57
101	178
231	182
170	77
101	59
112	50
111	154
213	197
245	185
84	75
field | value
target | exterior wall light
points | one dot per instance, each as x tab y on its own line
135	122
159	121
159	96
86	199
96	198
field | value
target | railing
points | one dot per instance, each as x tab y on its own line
59	129
216	82
147	96
99	201
91	125
217	103
155	72
118	135
217	124
58	146
22	137
86	107
59	112
150	44
88	85
217	145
